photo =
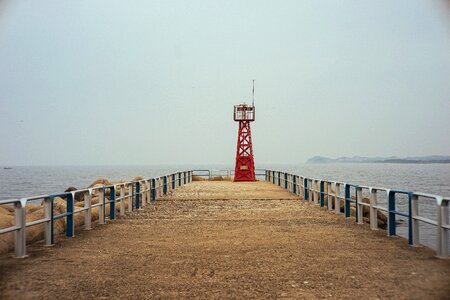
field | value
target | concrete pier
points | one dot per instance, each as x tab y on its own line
222	239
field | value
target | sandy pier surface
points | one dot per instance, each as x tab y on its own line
227	240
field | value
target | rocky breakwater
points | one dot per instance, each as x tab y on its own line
381	217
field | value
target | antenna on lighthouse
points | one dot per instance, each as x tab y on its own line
253	93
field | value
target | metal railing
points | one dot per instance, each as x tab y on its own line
335	193
210	174
137	194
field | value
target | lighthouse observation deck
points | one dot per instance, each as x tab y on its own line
216	239
244	112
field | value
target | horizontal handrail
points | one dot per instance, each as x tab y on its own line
317	191
223	172
137	192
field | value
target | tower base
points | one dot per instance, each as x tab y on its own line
245	169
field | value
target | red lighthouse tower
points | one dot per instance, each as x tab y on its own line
245	164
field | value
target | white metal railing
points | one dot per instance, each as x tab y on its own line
210	174
335	193
131	194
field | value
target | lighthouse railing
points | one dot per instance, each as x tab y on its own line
348	198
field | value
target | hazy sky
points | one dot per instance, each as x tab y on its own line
154	82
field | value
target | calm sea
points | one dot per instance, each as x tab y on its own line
27	181
429	178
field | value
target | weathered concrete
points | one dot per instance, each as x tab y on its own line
220	245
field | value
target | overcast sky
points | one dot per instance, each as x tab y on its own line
154	82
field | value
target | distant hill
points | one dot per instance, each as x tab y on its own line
431	159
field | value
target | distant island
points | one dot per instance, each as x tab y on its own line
431	159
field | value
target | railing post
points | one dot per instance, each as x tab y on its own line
337	200
279	179
289	181
149	193
143	193
88	209
122	202
306	192
410	219
47	224
52	225
322	193
359	206
101	208
184	175
302	186
138	195
70	224
329	196
160	187
179	178
347	200
442	222
414	212
164	185
273	177
20	237
153	189
391	213
316	191
130	197
112	202
310	190
294	184
173	181
286	181
373	209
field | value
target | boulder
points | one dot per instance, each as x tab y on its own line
100	181
30	208
381	224
381	217
78	196
8	208
7	239
366	209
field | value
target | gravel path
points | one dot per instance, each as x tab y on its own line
227	240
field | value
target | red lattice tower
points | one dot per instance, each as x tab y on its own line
245	164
